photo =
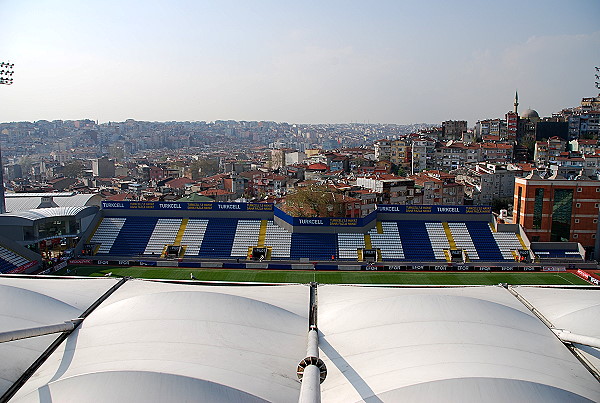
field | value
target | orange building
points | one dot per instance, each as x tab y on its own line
557	209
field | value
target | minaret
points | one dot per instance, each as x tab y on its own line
516	104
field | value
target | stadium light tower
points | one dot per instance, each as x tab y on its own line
6	72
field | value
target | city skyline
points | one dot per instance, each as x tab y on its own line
340	62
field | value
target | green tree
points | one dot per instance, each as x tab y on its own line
204	167
498	204
26	164
73	169
315	201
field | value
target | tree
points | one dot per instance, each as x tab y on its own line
501	204
361	162
204	167
73	169
26	164
315	201
117	152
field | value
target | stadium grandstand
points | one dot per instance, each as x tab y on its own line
236	235
406	235
126	340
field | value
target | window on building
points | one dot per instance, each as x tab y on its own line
577	205
577	221
561	215
578	189
575	236
537	208
519	204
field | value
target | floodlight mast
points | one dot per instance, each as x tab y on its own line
6	73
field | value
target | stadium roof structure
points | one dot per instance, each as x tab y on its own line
577	311
16	202
158	341
50	212
26	303
455	344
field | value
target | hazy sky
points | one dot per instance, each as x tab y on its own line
299	62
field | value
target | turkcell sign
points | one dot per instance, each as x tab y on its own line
390	209
112	205
446	210
229	206
433	209
170	206
310	221
214	206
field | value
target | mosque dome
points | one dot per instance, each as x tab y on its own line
530	114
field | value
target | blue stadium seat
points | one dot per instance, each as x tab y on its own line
6	266
484	241
415	241
134	236
313	246
10	260
218	238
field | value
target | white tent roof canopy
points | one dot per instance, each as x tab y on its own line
26	303
154	341
575	310
443	344
182	343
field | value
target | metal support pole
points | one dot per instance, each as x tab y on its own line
312	346
568	337
310	390
38	331
586	363
311	370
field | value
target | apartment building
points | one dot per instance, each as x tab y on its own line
557	209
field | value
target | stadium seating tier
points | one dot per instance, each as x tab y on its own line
230	238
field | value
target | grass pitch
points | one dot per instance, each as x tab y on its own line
331	277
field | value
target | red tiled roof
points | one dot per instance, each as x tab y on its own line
179	182
578	159
497	145
318	167
121	197
525	166
215	192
